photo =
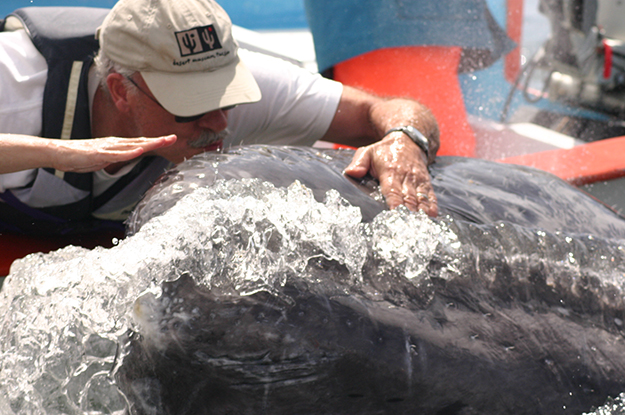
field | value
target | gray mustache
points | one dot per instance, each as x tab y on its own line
208	138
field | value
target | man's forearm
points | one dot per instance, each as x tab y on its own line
362	119
397	160
23	152
395	113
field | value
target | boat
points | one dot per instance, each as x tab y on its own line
569	124
488	107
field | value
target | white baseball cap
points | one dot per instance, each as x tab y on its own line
184	50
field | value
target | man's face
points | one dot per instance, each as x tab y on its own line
196	136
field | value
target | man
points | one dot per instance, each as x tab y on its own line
163	89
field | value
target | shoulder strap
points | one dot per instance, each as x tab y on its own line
65	36
53	29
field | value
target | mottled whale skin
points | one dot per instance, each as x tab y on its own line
502	339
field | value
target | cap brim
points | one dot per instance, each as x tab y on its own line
192	93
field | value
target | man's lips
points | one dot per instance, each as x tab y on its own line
214	146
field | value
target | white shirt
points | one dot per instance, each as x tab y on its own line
296	108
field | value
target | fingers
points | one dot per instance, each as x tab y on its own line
425	201
418	194
412	190
82	156
119	146
361	163
402	173
128	149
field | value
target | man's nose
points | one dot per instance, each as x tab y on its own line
215	120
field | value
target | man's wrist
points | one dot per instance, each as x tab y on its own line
416	136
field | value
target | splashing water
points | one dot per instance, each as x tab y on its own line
614	406
63	313
66	315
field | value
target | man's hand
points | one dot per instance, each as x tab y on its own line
398	163
82	156
23	152
401	168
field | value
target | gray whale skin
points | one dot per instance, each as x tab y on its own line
501	339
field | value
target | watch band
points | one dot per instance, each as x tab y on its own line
416	136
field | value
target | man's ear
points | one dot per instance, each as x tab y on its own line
118	91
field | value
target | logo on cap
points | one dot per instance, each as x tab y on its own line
198	40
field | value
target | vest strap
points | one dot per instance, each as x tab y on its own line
70	106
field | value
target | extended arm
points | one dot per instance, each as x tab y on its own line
395	160
23	152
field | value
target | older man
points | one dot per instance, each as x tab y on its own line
164	87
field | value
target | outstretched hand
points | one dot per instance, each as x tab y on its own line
401	168
82	156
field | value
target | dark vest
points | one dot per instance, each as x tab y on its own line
65	36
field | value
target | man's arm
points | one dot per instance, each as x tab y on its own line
395	160
23	152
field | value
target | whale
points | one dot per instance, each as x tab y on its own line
263	280
530	320
474	190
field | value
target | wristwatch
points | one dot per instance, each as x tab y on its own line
415	135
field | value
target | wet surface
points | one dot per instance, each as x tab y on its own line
245	297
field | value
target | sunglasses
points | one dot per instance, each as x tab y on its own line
177	118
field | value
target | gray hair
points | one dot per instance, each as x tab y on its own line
105	66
